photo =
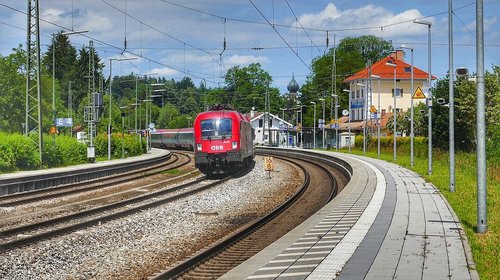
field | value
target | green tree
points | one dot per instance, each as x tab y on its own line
351	55
13	91
465	113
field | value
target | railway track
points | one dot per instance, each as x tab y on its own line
23	235
221	257
177	160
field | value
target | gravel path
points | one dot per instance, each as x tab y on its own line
139	245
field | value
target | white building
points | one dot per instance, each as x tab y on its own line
277	132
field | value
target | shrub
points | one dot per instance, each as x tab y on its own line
17	152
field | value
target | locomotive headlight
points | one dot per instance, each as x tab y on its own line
234	145
198	147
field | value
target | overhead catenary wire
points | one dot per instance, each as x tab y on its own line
298	21
279	34
310	28
110	45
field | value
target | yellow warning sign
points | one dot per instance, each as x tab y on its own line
419	94
373	109
53	130
268	164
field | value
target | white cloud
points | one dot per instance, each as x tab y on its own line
370	17
244	60
165	71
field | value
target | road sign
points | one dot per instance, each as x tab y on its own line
373	109
53	129
419	94
268	164
151	125
64	122
345	112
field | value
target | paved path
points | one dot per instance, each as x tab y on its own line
388	223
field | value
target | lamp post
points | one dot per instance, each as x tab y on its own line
301	127
314	125
54	74
146	128
111	97
349	117
429	95
411	102
394	117
336	120
365	101
323	128
123	128
379	117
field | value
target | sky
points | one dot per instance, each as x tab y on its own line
174	38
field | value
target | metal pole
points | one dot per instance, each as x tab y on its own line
301	127
336	122
53	86
136	104
123	136
110	100
395	115
365	110
379	118
412	133
430	108
482	219
314	127
349	120
451	120
323	130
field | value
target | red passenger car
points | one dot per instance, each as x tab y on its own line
223	141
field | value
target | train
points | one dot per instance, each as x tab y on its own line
223	140
179	139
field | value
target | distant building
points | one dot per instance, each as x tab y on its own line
364	77
276	133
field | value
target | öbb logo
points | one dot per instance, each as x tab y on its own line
217	148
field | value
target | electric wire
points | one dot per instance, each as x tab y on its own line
279	34
112	46
290	7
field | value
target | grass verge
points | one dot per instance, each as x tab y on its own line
485	247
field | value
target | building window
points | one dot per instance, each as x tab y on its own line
261	122
399	92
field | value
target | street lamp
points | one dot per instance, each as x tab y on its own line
314	125
111	97
54	74
323	128
411	102
365	101
336	121
349	117
379	117
122	113
394	109
147	128
429	95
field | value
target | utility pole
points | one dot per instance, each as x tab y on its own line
451	119
482	213
33	76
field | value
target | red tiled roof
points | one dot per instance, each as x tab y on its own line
387	72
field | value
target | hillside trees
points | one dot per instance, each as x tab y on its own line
351	55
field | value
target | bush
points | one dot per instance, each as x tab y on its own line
17	152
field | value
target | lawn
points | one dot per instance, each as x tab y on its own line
485	247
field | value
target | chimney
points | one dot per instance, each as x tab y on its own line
252	113
398	54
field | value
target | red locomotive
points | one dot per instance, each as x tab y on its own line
223	140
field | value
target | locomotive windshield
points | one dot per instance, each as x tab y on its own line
216	128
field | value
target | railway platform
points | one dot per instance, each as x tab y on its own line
387	223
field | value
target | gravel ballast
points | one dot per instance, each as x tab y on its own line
141	244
